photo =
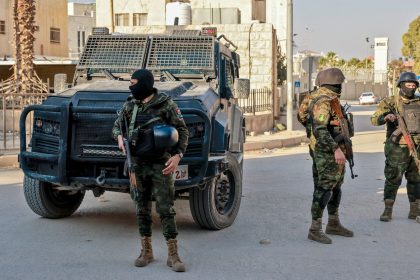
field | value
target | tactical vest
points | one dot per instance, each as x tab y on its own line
411	115
141	132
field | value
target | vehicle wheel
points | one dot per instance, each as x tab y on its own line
217	204
48	202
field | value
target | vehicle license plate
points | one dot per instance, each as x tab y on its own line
181	172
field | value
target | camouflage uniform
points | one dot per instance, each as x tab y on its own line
149	170
328	175
398	160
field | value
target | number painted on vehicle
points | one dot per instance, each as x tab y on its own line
181	172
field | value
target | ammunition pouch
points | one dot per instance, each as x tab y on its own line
142	142
411	115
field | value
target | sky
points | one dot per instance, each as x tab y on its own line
342	25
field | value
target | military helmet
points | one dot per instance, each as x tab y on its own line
165	136
317	78
330	76
408	77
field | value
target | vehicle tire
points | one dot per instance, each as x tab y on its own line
217	204
49	203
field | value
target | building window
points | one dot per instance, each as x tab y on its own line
121	19
54	35
139	19
259	10
81	40
2	27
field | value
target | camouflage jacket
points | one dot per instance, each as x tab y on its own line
378	118
323	117
161	105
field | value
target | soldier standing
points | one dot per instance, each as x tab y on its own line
153	169
328	155
398	161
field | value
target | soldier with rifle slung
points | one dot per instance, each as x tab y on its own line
329	133
157	137
401	114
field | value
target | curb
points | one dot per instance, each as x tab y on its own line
275	143
9	161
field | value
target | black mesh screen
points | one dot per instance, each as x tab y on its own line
92	129
181	53
116	52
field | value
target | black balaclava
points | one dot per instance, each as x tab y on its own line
144	86
407	92
334	88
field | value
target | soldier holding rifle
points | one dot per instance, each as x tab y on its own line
329	133
401	114
147	115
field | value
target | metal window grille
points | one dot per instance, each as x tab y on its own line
2	27
181	53
259	100
117	52
139	19
121	19
54	35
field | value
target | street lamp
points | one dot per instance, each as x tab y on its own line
289	54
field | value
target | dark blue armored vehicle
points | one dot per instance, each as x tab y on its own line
71	149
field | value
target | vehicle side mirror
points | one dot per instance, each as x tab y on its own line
241	88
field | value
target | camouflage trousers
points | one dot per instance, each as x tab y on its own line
152	183
397	164
328	178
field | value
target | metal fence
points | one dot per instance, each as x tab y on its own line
259	100
11	105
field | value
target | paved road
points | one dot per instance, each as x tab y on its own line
362	115
100	240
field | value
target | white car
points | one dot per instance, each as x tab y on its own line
368	98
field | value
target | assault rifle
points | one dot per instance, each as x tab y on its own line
128	166
402	126
344	137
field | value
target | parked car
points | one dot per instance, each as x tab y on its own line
368	98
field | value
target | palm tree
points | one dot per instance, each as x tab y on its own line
24	78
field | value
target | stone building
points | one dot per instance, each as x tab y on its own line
81	20
51	28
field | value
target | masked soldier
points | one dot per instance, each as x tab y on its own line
153	168
328	155
398	159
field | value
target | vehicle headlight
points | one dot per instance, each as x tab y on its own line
191	131
47	128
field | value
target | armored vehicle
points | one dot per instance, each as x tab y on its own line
71	148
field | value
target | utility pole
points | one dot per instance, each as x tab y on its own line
289	54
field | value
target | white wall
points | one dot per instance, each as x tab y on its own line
381	59
155	10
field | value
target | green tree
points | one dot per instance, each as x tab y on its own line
353	62
411	43
281	67
329	60
395	67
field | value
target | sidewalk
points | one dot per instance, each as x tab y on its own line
277	140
